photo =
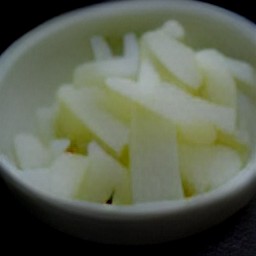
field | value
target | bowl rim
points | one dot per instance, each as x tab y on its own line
106	8
233	187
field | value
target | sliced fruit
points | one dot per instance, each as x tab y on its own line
177	105
66	174
219	84
100	48
30	152
105	179
61	178
145	120
174	56
154	160
197	133
95	72
81	119
242	71
147	75
204	168
245	75
173	29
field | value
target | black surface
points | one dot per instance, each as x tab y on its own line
22	232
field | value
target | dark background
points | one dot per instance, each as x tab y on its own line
22	232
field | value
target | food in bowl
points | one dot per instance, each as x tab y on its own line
148	118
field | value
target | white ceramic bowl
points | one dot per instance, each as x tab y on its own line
33	67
